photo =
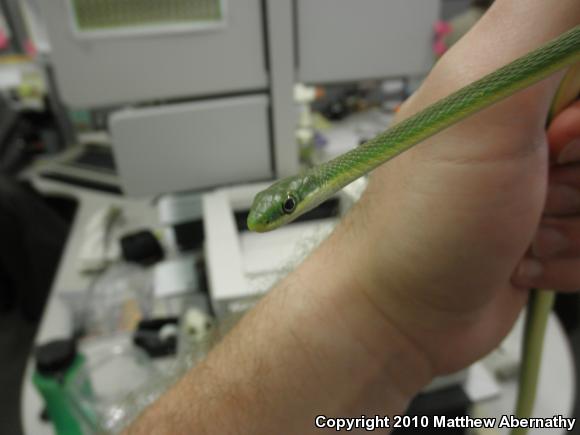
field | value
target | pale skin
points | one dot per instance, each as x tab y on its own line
425	275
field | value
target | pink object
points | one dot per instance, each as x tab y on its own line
439	48
30	48
3	40
441	29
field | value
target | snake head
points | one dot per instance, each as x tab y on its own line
281	203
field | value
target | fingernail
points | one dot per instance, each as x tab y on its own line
570	153
549	242
562	199
529	270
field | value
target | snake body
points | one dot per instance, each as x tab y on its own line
288	198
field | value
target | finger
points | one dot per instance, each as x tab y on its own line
564	138
557	238
563	197
553	258
564	135
562	274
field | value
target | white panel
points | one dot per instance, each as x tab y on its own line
115	70
342	40
192	146
222	251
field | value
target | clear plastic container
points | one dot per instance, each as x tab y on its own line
121	380
118	299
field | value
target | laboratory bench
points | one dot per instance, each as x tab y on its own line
56	322
557	380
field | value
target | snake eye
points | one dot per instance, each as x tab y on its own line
289	205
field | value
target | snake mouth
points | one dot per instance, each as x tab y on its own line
259	224
259	219
255	225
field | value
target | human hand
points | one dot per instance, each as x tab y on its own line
553	259
437	236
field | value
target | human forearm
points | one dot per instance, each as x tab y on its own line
313	346
430	249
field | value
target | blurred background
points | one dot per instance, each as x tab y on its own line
133	137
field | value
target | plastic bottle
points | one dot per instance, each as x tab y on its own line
57	364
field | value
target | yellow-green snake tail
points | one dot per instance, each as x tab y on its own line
539	308
541	301
288	198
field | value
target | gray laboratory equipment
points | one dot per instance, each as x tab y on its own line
125	56
345	40
211	142
150	61
200	67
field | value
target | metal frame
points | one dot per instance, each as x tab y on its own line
280	45
15	21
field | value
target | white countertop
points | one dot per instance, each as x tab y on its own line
557	382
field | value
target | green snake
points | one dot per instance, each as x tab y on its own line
291	197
